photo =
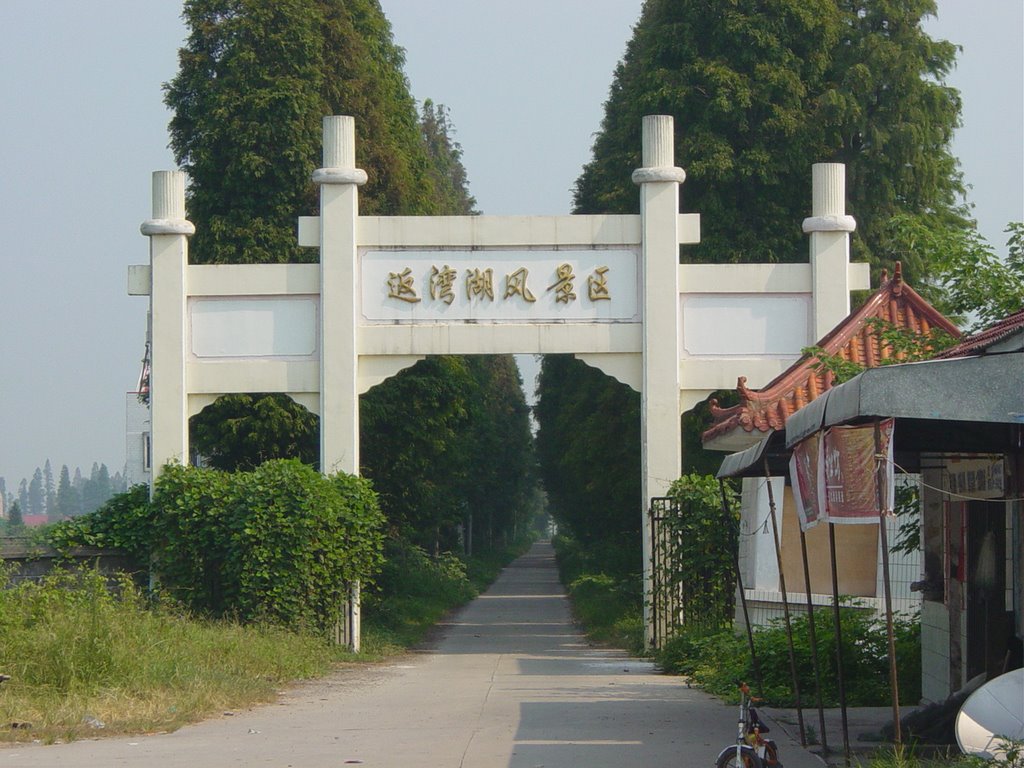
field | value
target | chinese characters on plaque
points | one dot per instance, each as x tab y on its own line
442	282
503	285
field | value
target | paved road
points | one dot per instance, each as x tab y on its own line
511	684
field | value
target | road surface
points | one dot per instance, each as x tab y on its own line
511	683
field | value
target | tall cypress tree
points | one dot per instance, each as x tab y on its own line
36	497
68	503
49	493
254	82
760	92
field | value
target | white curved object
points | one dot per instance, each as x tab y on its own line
992	714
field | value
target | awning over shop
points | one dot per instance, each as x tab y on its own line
750	463
985	394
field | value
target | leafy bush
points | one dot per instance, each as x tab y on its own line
280	543
619	559
699	543
414	590
717	660
606	595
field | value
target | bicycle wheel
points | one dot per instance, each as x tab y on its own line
748	758
771	756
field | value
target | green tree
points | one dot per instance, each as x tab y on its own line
886	112
49	493
588	448
970	282
36	498
240	432
96	490
446	167
409	429
760	93
254	82
500	476
23	495
14	518
68	503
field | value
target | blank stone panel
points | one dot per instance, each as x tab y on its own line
253	327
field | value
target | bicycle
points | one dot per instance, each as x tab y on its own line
751	750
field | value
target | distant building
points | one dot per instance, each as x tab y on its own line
137	441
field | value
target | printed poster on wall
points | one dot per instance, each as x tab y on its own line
850	472
808	483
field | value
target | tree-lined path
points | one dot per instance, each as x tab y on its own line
511	684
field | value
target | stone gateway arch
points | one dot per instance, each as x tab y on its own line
388	291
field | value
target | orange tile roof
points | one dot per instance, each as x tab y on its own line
978	343
853	339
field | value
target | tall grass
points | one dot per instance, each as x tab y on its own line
89	656
83	656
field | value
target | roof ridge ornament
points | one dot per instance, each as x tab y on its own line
897	279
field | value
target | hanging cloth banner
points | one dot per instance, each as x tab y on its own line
834	475
808	484
851	472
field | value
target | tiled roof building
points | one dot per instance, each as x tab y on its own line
991	339
854	339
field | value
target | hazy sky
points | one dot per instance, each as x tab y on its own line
85	126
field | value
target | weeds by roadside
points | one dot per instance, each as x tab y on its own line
83	658
904	756
87	657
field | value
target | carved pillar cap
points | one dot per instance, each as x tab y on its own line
665	173
167	227
340	176
842	223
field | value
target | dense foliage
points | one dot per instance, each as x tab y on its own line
760	93
702	539
716	660
255	80
448	446
588	447
970	283
281	543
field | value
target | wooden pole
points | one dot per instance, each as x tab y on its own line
880	477
839	641
814	645
785	606
743	600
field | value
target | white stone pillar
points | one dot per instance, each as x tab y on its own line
168	233
339	181
829	228
660	440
